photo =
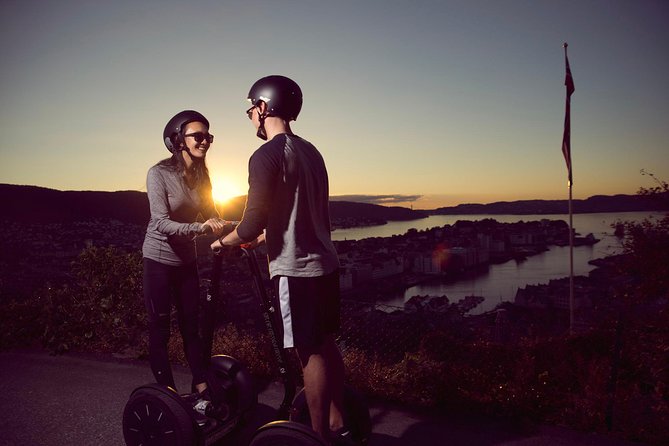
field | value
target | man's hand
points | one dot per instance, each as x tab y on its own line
233	239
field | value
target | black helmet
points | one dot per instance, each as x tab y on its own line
173	129
281	94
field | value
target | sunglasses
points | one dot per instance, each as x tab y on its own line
249	112
199	137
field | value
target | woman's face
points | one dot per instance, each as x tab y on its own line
193	132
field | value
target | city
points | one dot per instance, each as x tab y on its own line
37	255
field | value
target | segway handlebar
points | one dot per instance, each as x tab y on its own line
228	226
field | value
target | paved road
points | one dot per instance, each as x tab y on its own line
72	400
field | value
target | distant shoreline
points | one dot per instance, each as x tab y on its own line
592	205
27	203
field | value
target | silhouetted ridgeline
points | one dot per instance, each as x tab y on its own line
349	209
594	204
39	204
339	210
32	203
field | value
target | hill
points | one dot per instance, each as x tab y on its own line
39	204
594	204
349	209
33	203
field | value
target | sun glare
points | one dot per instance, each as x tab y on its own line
223	190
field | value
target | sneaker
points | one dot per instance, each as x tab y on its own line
201	405
199	402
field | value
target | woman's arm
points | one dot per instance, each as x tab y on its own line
159	208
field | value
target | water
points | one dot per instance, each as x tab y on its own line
500	282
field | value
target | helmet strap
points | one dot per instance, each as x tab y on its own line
262	133
194	159
181	145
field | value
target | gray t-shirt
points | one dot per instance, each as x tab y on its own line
289	197
175	209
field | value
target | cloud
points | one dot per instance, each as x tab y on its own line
384	200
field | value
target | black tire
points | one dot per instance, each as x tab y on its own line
356	414
152	417
285	433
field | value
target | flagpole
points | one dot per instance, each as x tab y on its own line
566	149
571	265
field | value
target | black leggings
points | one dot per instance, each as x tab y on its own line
164	284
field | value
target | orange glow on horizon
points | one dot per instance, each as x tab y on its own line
223	190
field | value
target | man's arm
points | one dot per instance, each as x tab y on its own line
264	166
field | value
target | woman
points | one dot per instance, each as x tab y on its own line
179	191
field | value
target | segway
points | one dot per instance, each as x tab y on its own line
158	415
293	414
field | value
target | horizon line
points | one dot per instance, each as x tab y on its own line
385	200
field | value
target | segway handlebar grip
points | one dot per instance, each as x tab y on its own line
228	227
232	251
246	250
229	251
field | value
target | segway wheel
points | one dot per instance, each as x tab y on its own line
356	414
152	417
285	433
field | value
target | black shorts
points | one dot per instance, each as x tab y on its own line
309	309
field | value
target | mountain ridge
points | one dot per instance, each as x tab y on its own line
35	203
591	205
25	203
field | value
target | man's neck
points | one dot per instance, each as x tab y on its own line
276	126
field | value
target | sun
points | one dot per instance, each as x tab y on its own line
223	190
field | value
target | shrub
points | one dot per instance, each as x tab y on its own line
20	322
101	310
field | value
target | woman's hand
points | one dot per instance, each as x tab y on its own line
217	225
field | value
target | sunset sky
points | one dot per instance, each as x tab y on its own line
428	103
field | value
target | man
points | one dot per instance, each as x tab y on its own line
287	207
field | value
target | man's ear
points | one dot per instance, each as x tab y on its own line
262	107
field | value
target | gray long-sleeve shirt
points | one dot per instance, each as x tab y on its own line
288	196
175	209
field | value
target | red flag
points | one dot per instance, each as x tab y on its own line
566	136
